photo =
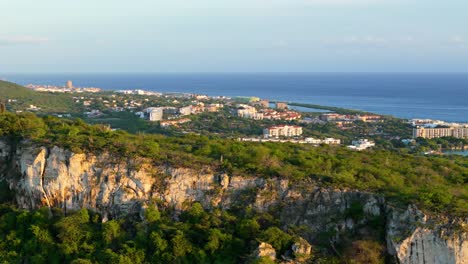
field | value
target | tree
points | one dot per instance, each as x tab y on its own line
110	231
152	214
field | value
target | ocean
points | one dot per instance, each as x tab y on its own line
441	96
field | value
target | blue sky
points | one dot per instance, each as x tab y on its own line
234	36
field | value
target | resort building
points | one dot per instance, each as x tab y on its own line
282	131
247	111
426	132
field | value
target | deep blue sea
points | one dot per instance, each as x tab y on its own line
406	95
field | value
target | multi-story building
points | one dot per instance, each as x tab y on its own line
369	118
186	110
282	131
155	113
247	111
213	107
263	103
427	132
460	132
280	105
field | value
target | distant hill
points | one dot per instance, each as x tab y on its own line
10	90
25	97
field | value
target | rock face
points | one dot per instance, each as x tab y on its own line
265	250
301	250
114	187
412	240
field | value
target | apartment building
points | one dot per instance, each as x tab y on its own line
427	132
282	131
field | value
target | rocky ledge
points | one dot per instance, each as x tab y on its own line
55	177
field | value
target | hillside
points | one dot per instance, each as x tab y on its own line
93	195
25	97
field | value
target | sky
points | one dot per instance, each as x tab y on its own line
85	36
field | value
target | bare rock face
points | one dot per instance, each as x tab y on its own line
114	187
413	238
265	250
301	250
54	177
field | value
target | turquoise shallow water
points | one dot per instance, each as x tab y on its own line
422	95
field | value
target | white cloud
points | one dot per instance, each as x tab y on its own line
22	40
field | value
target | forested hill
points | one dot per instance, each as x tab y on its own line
24	97
338	210
438	184
11	90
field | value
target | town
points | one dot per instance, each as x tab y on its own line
245	118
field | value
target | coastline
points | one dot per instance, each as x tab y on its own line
403	96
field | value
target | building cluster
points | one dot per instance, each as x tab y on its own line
280	115
139	92
247	111
430	123
437	132
282	131
328	141
68	88
199	108
429	128
169	112
361	144
340	118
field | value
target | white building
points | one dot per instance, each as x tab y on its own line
313	141
331	141
282	131
454	131
247	111
361	144
328	141
186	110
155	113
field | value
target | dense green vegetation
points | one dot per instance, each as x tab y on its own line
442	143
25	97
436	183
198	236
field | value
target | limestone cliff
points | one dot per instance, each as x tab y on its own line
114	187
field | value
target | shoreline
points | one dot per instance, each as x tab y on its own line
337	109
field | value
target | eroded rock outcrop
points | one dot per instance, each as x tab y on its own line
265	250
114	187
301	250
416	238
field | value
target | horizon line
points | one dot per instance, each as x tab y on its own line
240	72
